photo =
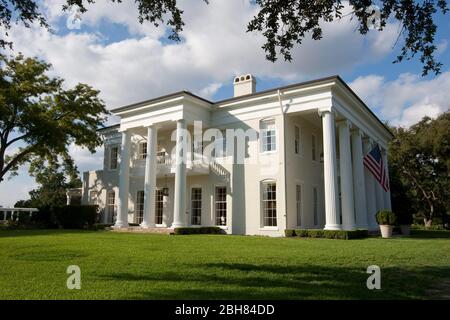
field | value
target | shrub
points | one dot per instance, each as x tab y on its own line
386	217
101	226
315	233
75	216
301	233
330	234
289	233
198	230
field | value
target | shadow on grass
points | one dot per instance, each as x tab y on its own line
267	281
430	234
5	233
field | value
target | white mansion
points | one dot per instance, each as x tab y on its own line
302	167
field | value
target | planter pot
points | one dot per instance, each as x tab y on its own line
386	230
405	229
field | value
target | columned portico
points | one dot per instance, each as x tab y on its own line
370	190
348	208
124	181
359	185
150	178
180	176
332	221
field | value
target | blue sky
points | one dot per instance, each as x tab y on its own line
130	62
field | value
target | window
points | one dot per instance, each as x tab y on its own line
220	146
314	147
298	198
159	206
161	156
221	206
196	206
139	206
315	206
93	197
268	133
113	158
297	142
111	206
269	204
143	150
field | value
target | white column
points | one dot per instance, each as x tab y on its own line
124	181
180	176
330	170
67	198
150	178
387	194
370	190
348	206
359	186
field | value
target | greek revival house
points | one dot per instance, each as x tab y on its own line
257	163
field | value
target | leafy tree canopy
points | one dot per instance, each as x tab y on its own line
419	164
283	23
52	189
40	119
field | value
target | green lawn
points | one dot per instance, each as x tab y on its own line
143	266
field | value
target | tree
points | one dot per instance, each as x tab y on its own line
284	23
52	188
420	167
39	119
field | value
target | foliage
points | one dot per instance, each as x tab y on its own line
198	230
282	23
286	23
328	234
419	168
386	217
405	218
52	188
45	118
75	216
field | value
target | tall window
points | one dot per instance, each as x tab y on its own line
314	147
221	206
111	206
196	206
220	146
113	158
159	206
93	197
315	206
139	206
298	198
143	150
269	204
297	143
268	133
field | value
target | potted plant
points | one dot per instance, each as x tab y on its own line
386	219
405	219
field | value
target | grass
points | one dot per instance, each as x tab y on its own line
144	266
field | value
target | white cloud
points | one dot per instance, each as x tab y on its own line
215	47
406	99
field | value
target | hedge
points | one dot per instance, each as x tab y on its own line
67	217
198	230
328	234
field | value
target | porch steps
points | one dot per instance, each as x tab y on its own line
143	230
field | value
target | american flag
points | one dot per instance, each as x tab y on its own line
373	161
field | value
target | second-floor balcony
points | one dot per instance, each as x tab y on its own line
197	164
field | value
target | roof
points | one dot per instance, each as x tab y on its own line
247	96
